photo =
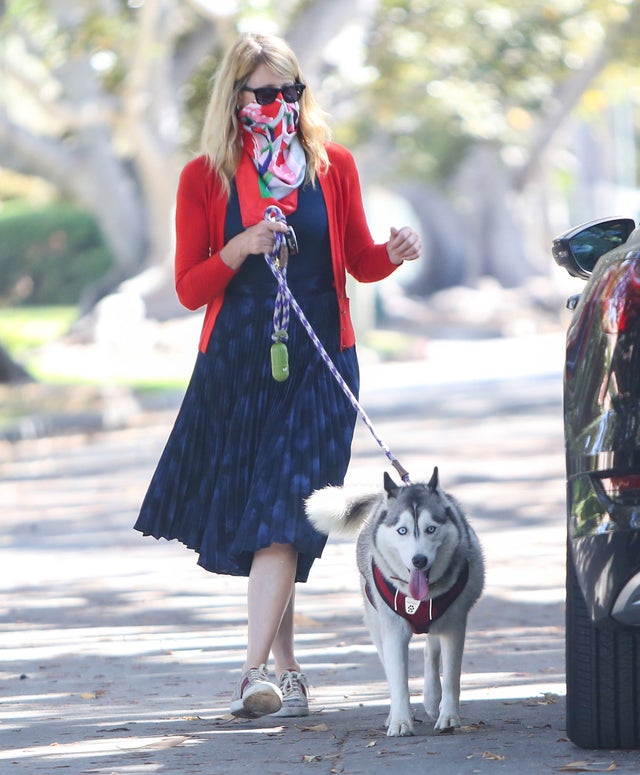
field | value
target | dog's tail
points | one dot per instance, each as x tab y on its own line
333	510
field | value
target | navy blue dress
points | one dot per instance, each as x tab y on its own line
245	450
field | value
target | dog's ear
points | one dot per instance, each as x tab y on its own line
391	488
434	484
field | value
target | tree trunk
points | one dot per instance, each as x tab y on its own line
10	371
87	171
495	244
444	262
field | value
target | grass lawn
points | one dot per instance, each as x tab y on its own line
25	328
132	359
30	335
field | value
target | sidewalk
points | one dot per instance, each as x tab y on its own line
119	654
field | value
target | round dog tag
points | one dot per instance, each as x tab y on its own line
279	361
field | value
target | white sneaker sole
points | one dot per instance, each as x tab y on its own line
257	701
292	711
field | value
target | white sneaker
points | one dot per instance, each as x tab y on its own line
295	694
255	695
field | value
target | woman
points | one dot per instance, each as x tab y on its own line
247	449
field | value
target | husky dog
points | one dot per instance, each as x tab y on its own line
421	570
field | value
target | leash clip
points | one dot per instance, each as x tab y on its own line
291	241
274	213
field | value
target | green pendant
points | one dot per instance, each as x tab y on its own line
279	361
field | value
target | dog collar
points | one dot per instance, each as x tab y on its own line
419	613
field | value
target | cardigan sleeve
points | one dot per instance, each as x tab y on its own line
365	260
200	274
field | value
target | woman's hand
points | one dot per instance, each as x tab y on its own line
255	239
403	245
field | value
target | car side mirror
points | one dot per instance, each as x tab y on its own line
579	249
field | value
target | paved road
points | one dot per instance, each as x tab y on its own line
119	654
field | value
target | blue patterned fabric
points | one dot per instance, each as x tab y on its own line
245	450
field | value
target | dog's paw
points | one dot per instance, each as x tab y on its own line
447	721
432	705
400	728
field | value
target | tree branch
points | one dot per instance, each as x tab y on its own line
69	117
568	95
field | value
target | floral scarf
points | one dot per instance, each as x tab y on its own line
270	142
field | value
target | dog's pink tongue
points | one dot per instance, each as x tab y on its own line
418	585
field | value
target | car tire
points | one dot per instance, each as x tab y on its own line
603	676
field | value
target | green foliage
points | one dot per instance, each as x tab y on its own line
49	255
455	73
424	80
26	328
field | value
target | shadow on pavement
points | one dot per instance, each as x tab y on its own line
119	654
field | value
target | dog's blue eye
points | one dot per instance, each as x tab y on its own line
402	531
431	529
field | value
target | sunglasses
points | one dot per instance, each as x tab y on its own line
265	95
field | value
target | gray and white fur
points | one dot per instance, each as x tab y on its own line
421	541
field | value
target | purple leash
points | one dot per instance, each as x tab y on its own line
284	299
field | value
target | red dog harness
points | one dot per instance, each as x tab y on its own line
419	613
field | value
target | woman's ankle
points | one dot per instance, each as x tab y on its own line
292	666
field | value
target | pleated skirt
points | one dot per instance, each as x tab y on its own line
245	451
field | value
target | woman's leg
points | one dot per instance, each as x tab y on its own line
282	648
292	682
270	594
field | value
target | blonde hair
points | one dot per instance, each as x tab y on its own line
220	141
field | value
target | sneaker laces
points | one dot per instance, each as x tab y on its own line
292	682
251	675
257	673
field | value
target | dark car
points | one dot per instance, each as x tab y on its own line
602	441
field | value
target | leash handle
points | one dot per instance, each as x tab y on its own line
274	213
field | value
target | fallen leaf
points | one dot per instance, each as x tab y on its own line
588	767
546	699
313	728
493	756
309	758
88	695
472	727
371	744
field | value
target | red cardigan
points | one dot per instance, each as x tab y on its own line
202	276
